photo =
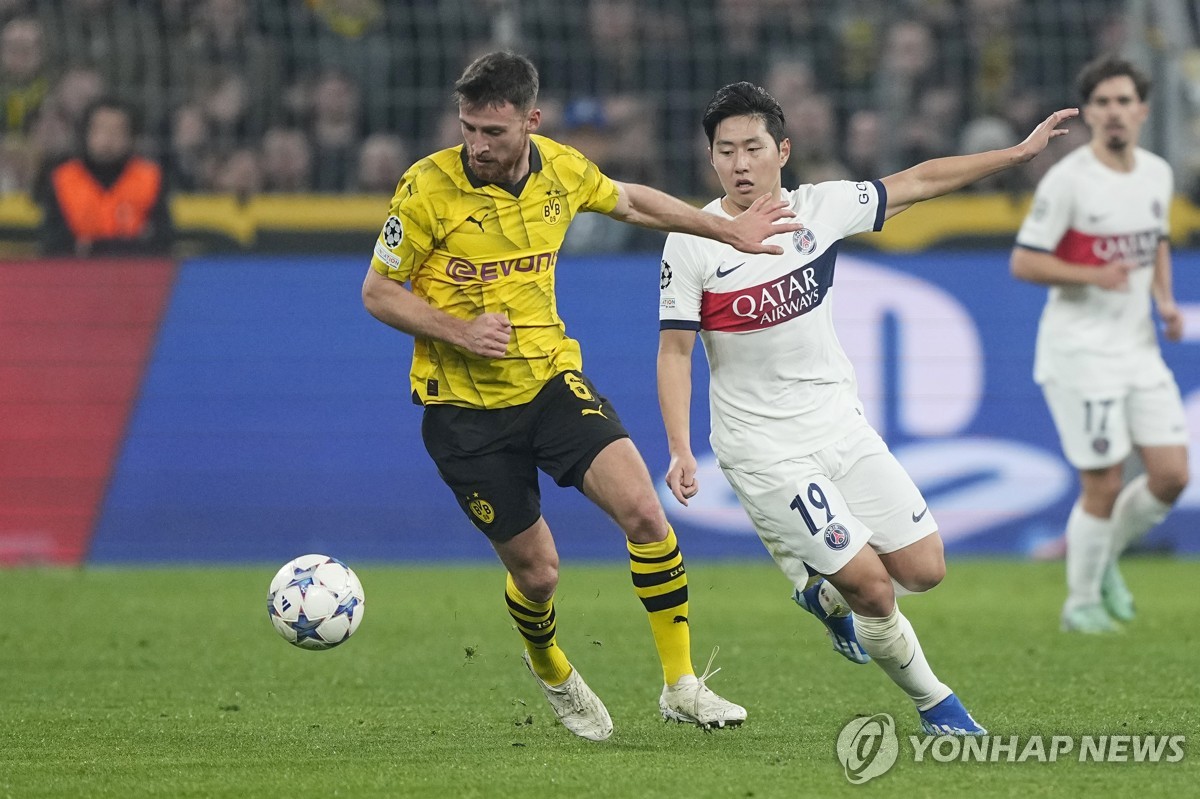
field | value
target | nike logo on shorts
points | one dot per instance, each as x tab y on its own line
916	517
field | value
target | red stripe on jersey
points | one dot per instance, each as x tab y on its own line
769	304
1085	249
1078	248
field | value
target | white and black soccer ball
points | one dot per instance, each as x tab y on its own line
316	602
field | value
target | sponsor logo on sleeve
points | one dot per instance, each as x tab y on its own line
389	258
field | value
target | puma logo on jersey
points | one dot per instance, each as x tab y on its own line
477	221
680	620
598	411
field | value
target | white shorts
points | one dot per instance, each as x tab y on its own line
823	508
1099	429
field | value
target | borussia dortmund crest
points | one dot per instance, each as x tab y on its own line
482	510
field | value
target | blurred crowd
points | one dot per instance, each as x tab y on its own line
253	96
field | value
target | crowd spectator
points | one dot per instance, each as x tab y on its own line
382	160
107	200
287	160
239	174
335	128
863	149
24	85
901	79
24	82
191	158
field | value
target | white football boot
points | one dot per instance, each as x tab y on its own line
576	705
690	701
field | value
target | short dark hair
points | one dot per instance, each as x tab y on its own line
1108	66
498	78
744	99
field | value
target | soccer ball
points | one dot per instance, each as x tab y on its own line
316	602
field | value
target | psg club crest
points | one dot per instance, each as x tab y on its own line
1100	445
804	240
836	536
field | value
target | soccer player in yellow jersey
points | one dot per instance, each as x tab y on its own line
475	231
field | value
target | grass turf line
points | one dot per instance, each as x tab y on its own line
171	682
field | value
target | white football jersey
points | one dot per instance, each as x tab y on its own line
1086	213
781	387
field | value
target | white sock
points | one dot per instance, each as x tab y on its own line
900	590
891	642
1136	511
1089	541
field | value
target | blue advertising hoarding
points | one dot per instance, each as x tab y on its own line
274	416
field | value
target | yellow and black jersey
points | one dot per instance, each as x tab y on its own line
469	247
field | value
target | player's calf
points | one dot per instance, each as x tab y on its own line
822	599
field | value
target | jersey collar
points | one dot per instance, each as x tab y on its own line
515	189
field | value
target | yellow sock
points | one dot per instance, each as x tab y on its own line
659	580
535	622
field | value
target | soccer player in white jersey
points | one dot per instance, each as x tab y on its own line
788	430
1097	236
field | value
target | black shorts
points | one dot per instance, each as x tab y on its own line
490	458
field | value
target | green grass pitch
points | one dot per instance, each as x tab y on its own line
172	683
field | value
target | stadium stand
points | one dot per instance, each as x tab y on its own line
241	99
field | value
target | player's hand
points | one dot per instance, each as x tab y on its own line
1043	133
487	335
761	221
1172	321
681	477
1113	276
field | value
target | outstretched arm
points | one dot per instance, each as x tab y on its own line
674	400
647	207
940	176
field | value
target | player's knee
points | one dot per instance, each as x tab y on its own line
537	582
926	577
872	596
644	521
1168	485
1099	496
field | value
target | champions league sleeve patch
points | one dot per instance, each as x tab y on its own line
393	232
